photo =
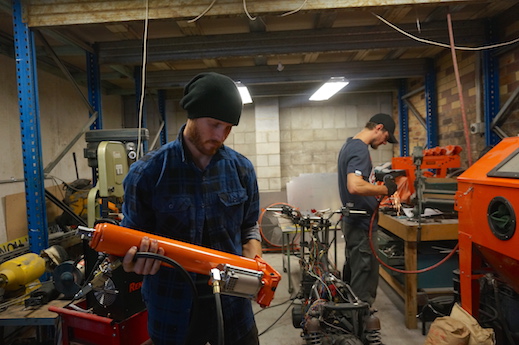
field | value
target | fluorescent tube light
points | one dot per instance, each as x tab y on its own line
330	88
244	92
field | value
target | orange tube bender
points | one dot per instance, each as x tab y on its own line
240	276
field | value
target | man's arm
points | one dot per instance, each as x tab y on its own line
357	185
251	248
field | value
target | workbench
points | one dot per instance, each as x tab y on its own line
17	316
411	233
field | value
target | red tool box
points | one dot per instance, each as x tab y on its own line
88	329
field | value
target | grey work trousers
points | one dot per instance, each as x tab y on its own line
360	262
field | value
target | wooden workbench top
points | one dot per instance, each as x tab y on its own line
430	229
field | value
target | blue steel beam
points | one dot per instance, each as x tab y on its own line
431	105
94	88
27	81
490	65
162	111
403	117
94	96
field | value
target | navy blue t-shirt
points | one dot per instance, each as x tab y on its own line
354	157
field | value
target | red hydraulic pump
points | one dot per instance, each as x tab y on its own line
244	277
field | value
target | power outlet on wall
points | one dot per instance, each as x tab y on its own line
477	128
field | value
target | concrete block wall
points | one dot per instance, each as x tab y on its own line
243	136
313	133
268	163
285	138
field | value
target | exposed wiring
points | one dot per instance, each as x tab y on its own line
202	14
275	305
313	275
497	45
294	11
247	11
291	300
345	331
276	321
143	76
466	129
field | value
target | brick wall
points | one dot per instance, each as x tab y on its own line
509	76
450	119
452	125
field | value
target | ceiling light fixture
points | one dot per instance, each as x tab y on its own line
244	92
330	88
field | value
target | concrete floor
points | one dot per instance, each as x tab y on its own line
275	322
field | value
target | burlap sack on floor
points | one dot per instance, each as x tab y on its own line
478	334
447	331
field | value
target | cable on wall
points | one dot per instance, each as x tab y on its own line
466	130
143	76
497	45
294	11
247	11
202	14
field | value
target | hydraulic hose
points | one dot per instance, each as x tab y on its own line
187	277
373	250
219	317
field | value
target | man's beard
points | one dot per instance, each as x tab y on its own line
200	145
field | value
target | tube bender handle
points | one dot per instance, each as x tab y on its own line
116	240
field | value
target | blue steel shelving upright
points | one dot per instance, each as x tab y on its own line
162	111
431	105
403	117
26	74
94	96
490	66
94	88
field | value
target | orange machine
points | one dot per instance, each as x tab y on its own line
438	163
244	277
487	201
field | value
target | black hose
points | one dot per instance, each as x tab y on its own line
187	277
219	318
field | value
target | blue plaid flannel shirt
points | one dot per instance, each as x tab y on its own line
166	194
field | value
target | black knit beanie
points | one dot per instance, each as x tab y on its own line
212	95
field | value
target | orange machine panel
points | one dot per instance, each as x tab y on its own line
487	202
